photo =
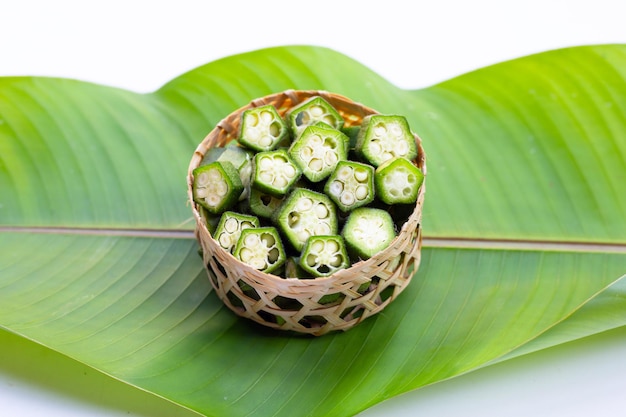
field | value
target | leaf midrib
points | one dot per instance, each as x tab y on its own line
427	241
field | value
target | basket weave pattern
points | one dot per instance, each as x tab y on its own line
291	303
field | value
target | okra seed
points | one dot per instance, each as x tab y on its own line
305	204
311	260
202	193
225	240
266	177
306	152
251	241
322	229
280	182
265	141
332	246
316	111
380	130
316	141
221	188
344	173
315	164
360	175
203	179
347	198
317	246
321	211
289	171
376	147
294	219
231	225
361	192
266	117
251	119
330	157
336	188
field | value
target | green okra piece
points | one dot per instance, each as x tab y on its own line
318	150
384	137
314	110
217	186
263	204
368	231
262	128
398	181
323	255
274	172
352	132
261	248
230	226
232	153
306	213
351	185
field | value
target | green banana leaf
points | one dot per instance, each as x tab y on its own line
524	226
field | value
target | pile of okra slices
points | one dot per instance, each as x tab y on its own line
303	196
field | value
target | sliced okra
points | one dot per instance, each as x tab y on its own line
351	185
368	231
318	150
274	172
324	255
263	204
316	109
261	248
384	137
306	213
262	128
398	181
232	153
230	226
217	186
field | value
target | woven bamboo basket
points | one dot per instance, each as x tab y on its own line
387	273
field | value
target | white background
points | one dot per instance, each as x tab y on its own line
140	45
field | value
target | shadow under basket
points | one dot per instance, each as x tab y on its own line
313	306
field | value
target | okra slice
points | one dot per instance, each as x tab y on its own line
368	231
217	186
274	172
316	109
351	185
263	204
398	181
324	255
232	153
318	150
230	226
384	137
261	248
262	128
306	213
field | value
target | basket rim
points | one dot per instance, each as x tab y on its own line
341	275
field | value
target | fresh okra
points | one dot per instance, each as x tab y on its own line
314	110
368	231
306	213
217	186
398	181
263	204
351	185
324	255
274	172
261	248
384	137
230	226
262	128
318	150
